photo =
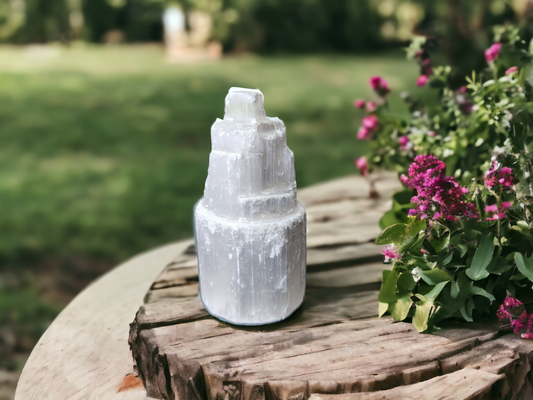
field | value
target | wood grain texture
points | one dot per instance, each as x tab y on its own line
334	346
84	354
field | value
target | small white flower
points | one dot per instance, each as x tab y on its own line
417	274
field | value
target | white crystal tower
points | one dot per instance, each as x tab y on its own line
250	230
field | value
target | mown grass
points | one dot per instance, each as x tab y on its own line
104	150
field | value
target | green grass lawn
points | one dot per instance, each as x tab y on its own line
104	150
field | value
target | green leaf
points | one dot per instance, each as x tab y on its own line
502	265
470	233
482	258
393	234
495	259
406	283
404	236
416	226
422	313
482	292
382	309
400	309
441	243
464	249
454	290
432	296
421	262
387	294
466	310
408	243
517	277
414	230
435	276
447	260
450	304
402	200
390	218
525	265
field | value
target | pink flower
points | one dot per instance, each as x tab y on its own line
500	178
511	70
359	103
431	133
391	253
363	133
422	80
371	122
493	52
467	107
512	313
370	106
380	85
404	142
361	164
493	208
462	89
497	213
437	196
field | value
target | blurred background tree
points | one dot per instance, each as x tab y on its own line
276	26
267	25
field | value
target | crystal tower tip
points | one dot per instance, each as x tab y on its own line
244	105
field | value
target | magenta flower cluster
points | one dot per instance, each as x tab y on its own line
362	165
513	313
511	70
380	85
422	58
391	253
495	212
493	52
369	105
370	122
498	178
437	196
405	143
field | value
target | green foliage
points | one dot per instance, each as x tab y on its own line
469	123
467	277
460	267
272	25
137	20
41	21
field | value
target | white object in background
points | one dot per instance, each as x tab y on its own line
174	20
250	230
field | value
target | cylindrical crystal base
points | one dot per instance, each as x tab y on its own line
251	273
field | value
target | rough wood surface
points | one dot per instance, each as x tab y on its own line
334	346
84	354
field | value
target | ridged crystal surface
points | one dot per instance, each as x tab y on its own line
250	230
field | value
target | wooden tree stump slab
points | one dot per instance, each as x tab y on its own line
334	346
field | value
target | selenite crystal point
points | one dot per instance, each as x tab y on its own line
244	105
250	230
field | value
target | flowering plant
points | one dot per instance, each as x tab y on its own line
463	249
460	237
466	124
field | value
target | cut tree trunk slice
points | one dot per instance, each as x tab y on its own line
334	347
